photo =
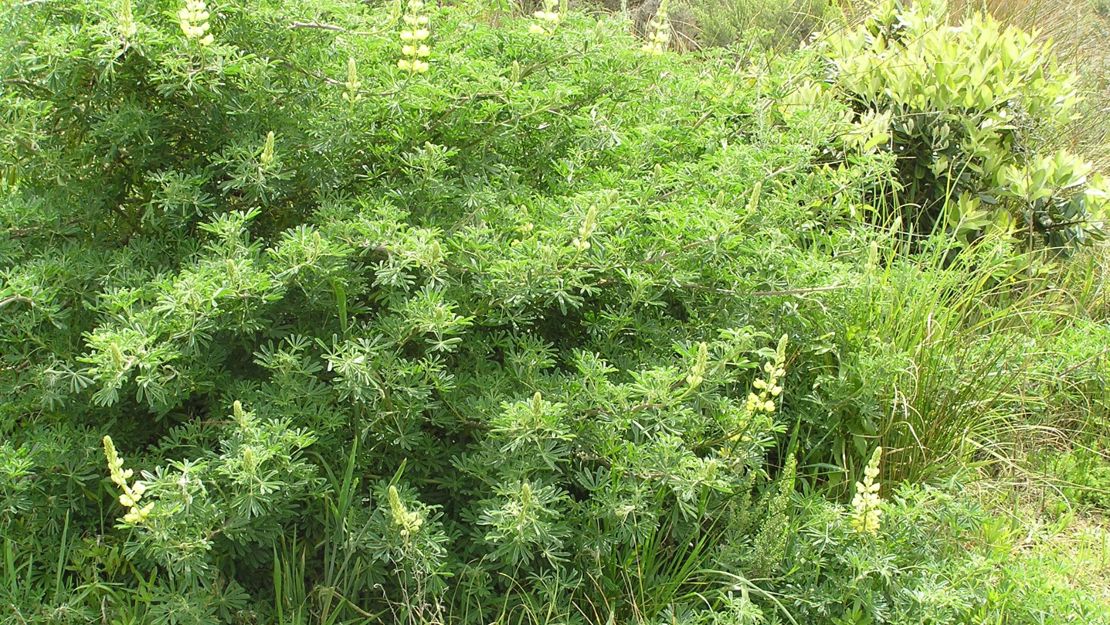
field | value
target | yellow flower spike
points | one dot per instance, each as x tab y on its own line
701	364
753	401
407	522
415	31
267	155
659	37
127	25
866	512
131	495
353	84
352	71
589	224
547	15
241	416
767	388
193	19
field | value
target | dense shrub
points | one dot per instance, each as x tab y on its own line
1077	29
965	108
459	340
305	322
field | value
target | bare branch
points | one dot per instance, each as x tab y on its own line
16	298
322	26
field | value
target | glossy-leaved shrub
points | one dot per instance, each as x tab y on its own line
964	109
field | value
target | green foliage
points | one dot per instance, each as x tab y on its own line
294	332
1083	476
458	342
941	557
774	25
965	109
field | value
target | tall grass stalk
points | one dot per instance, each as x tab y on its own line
954	326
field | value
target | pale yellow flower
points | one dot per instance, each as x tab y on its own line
132	493
866	511
415	32
547	15
193	19
127	25
767	388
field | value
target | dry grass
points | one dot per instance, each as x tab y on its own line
1064	547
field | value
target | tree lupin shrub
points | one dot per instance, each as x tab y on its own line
455	344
